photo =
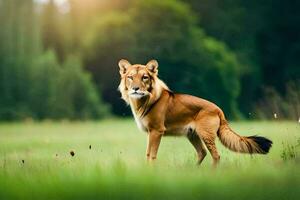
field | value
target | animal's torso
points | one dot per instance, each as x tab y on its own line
174	114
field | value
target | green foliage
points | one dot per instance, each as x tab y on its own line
264	38
224	51
63	91
18	46
44	74
167	33
52	33
107	41
34	84
76	94
221	72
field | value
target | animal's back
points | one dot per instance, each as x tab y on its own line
184	103
183	110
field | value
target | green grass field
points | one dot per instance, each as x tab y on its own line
35	163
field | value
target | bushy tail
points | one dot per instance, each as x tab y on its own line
237	143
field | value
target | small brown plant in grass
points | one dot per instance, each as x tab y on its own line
72	153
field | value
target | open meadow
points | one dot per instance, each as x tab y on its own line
109	163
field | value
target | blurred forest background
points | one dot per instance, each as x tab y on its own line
58	59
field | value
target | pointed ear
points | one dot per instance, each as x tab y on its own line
123	65
152	66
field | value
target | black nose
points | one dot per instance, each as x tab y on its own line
135	88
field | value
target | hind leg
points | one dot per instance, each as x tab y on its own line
211	146
198	145
207	127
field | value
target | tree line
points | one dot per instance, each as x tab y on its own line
61	61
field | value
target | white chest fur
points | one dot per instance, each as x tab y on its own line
140	124
138	121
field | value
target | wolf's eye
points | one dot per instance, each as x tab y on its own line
130	77
145	78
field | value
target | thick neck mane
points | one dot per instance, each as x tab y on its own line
140	107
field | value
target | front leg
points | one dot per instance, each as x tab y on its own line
148	150
154	138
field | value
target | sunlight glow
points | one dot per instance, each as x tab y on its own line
58	2
62	4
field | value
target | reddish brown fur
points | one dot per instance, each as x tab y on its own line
160	112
